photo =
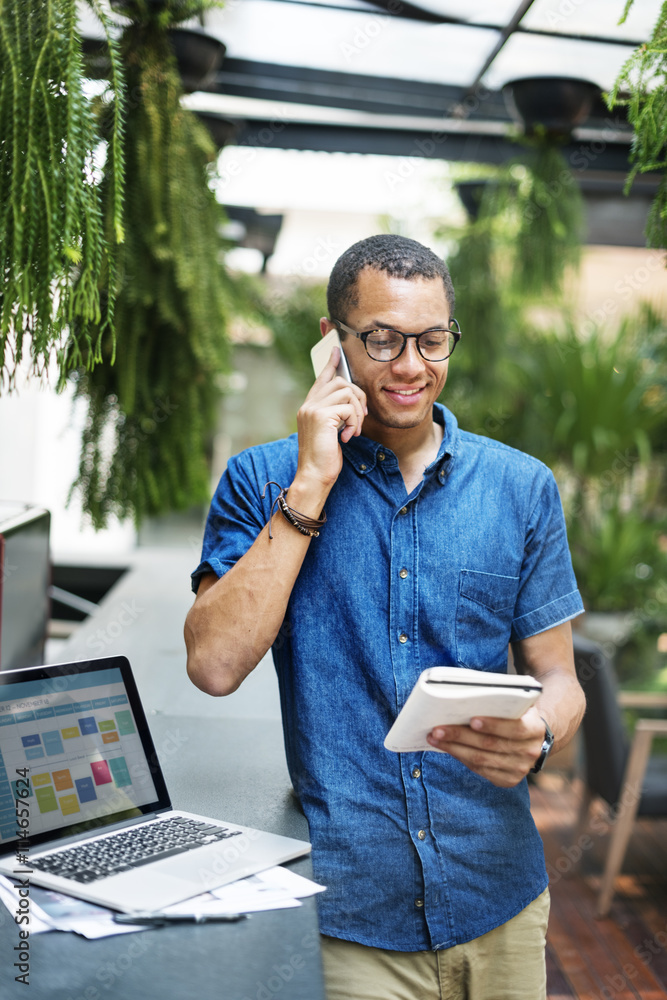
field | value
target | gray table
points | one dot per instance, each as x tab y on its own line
221	757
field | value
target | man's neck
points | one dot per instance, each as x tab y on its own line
414	447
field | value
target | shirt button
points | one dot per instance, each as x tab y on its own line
363	467
381	456
402	637
422	834
419	902
416	772
403	573
403	510
442	473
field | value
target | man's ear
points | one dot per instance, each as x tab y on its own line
326	326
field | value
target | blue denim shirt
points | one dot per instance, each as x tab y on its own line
417	852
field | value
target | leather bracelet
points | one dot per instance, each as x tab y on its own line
306	525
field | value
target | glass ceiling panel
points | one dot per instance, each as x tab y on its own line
537	55
351	42
594	17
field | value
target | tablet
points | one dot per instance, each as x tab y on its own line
453	696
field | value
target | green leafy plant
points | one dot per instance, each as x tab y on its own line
481	304
591	399
293	313
589	408
641	88
151	412
549	207
56	259
615	540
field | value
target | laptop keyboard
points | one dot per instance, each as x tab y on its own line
121	852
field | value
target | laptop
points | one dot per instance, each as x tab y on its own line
84	808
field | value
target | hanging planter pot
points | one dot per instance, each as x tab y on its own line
555	104
470	193
473	193
223	130
199	57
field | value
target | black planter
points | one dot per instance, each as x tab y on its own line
471	194
557	104
96	58
199	57
223	130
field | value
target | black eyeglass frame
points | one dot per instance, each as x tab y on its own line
364	336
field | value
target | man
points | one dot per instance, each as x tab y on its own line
440	547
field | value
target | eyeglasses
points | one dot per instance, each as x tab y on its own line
387	345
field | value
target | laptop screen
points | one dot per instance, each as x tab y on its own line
75	751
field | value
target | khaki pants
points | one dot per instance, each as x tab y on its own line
505	964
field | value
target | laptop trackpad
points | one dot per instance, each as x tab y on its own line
144	889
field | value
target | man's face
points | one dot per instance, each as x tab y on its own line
399	394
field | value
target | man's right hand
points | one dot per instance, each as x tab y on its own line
235	619
331	402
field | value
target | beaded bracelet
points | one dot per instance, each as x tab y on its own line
306	525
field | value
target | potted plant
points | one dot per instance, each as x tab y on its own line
641	88
56	255
152	405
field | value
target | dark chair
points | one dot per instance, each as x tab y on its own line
618	770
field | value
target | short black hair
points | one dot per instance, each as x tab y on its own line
397	255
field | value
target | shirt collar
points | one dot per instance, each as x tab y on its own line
364	454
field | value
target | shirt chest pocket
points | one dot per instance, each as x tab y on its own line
484	613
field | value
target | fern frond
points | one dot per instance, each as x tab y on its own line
157	404
52	244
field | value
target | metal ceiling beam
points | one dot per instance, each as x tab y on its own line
376	95
460	110
407	145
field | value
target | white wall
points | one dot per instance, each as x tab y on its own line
39	450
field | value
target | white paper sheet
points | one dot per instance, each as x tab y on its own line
273	889
53	911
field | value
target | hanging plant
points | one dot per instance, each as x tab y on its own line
550	212
151	412
549	203
53	245
481	303
641	88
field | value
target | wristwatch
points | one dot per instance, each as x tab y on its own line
549	740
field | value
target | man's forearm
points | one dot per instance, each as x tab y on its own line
504	750
562	704
549	657
235	619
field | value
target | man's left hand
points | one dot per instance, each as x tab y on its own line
501	750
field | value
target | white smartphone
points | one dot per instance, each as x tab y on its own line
321	353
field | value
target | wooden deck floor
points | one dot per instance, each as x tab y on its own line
623	956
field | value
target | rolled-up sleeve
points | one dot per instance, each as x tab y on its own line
548	593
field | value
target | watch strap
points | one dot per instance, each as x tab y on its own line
549	740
